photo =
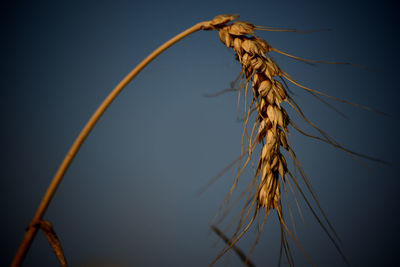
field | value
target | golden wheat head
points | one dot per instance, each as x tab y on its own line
270	129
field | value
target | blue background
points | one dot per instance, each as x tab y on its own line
130	196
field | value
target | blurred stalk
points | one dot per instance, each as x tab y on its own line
240	253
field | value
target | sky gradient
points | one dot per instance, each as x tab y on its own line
130	196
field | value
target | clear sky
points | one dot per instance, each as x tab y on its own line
130	196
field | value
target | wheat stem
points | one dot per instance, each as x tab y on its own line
33	226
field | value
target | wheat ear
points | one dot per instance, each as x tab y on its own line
272	121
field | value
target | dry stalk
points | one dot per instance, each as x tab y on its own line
37	218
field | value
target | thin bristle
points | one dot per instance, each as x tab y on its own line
279	29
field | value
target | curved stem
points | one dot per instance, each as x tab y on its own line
33	226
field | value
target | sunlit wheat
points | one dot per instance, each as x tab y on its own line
262	84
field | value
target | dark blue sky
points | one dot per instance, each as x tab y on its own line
129	198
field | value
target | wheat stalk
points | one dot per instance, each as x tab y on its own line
37	218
